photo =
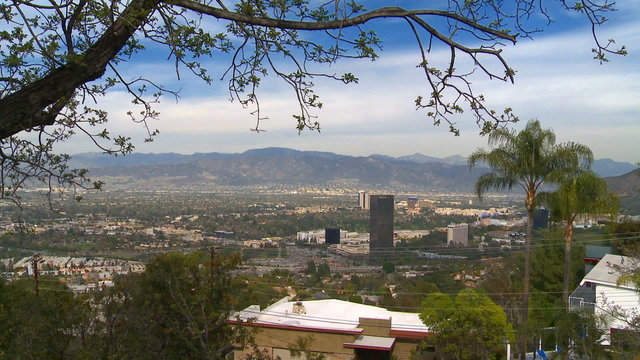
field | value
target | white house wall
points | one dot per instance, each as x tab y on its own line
609	298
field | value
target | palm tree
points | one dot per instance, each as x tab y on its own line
583	194
527	159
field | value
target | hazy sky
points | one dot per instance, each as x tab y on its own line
557	82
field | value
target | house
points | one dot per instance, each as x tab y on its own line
338	329
604	292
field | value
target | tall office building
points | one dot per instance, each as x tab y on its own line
363	200
541	218
380	222
332	235
458	234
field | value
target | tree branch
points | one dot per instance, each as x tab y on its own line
26	108
394	12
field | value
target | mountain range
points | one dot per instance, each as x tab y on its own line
277	166
625	185
292	167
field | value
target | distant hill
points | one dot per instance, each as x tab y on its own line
279	166
291	167
608	167
602	167
424	159
625	185
99	160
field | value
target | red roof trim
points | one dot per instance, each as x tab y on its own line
299	328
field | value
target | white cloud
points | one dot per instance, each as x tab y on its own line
557	82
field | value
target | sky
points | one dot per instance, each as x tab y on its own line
557	82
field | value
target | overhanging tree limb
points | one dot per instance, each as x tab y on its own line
28	107
35	104
385	12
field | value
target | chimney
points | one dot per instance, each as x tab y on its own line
298	308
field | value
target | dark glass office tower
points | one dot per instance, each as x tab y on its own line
380	222
541	218
332	235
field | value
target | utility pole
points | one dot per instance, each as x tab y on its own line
35	259
214	258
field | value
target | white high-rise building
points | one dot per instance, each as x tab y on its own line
363	200
458	234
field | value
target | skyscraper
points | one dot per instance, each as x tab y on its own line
458	234
541	218
380	222
363	200
332	235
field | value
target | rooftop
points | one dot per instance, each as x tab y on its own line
330	315
609	270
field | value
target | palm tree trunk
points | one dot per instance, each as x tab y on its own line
568	237
525	291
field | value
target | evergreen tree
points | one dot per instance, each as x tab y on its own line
467	326
584	194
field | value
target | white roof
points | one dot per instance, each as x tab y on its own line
330	314
608	270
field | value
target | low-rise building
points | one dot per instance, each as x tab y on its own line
605	292
337	329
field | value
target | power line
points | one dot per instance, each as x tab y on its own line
34	260
416	293
545	244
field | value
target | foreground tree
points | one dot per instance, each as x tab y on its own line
58	58
180	306
468	326
45	326
525	160
581	334
177	309
584	194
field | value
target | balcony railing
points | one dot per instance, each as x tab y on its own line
583	298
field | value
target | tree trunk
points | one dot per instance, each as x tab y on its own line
568	237
525	291
38	103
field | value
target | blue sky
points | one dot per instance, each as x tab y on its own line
557	82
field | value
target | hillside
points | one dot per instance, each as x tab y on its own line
627	186
608	167
286	167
